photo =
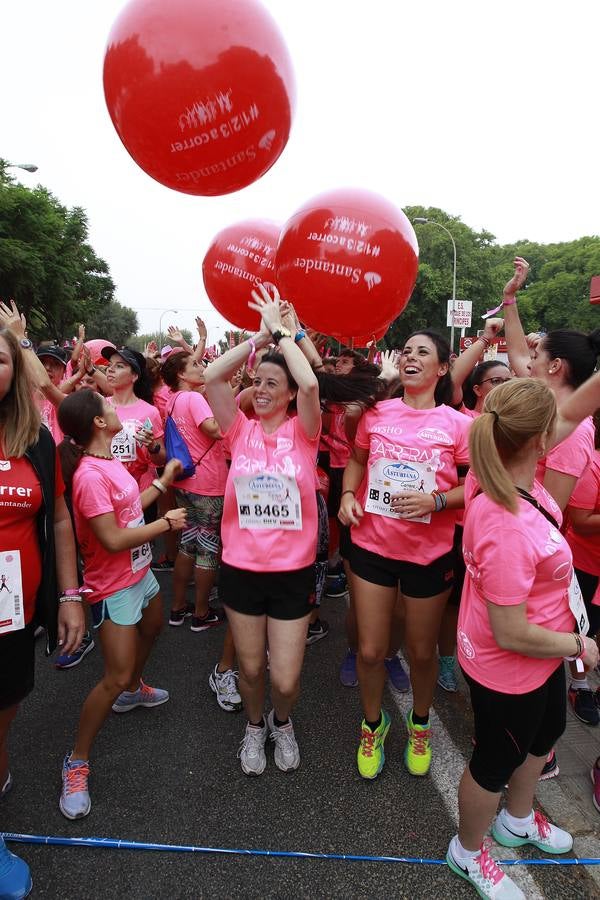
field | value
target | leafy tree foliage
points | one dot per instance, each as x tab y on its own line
48	266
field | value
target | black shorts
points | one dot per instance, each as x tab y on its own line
460	570
588	584
345	541
17	659
414	580
336	476
510	726
279	595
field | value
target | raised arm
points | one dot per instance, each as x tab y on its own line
222	369
578	406
307	400
516	342
468	359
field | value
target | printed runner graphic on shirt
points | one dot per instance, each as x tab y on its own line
268	501
12	613
388	477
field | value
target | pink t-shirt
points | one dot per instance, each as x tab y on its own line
189	410
511	559
161	398
272	477
573	455
134	456
418	448
49	414
586	547
102	486
335	440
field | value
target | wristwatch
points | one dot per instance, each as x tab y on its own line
280	332
25	344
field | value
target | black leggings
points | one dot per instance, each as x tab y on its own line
508	727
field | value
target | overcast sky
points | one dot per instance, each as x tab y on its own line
487	110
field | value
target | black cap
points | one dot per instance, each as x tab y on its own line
131	357
54	352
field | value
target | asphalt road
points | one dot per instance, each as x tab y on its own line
170	775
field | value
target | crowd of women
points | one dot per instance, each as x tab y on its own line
274	471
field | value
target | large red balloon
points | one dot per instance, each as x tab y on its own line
348	261
201	92
240	257
364	339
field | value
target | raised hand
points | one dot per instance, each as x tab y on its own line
11	318
518	279
202	330
268	307
175	334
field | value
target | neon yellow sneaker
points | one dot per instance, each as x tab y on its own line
417	755
370	756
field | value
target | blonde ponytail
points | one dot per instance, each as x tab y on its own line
513	414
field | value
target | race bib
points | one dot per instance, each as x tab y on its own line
124	446
388	477
12	613
141	557
577	606
268	501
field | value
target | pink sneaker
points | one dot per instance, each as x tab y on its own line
595	776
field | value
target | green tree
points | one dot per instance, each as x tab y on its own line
46	262
232	338
112	321
476	279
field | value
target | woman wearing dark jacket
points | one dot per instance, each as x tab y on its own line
37	559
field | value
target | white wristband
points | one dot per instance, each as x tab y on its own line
159	486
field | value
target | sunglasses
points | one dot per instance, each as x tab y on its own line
495	381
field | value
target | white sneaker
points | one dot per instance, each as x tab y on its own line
252	750
225	686
287	754
541	833
484	874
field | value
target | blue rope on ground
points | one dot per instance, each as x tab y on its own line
115	844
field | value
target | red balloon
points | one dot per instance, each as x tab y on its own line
363	340
348	261
240	257
201	92
95	348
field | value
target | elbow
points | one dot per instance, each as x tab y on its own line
311	389
210	375
507	641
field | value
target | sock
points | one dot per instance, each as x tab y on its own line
447	661
279	724
260	724
517	823
419	720
374	725
581	684
461	852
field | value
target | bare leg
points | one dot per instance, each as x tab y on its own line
148	630
374	610
351	626
184	566
287	643
476	808
250	639
397	631
119	647
423	619
227	660
522	785
205	579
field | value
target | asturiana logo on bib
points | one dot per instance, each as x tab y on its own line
401	472
265	483
435	435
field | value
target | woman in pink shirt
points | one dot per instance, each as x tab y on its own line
402	487
515	625
123	593
269	527
563	359
139	445
201	495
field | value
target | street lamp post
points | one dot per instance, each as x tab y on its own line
28	167
423	221
160	324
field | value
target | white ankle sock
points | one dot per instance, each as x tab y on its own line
460	852
517	823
